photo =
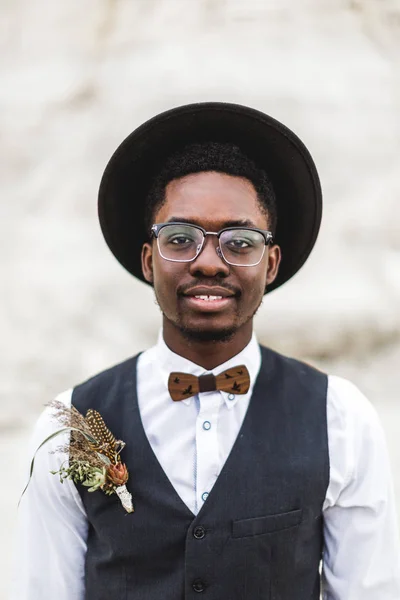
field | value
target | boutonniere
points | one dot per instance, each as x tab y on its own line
94	453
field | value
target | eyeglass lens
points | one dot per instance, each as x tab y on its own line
184	242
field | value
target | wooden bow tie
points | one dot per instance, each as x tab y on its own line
233	381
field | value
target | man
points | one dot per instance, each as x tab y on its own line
241	485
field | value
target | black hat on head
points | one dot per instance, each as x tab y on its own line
272	146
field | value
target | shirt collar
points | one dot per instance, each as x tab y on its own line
168	362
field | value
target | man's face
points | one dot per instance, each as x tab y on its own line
213	201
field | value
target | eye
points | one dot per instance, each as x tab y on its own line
180	239
239	243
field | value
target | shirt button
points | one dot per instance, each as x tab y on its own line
231	396
204	496
199	532
198	585
206	425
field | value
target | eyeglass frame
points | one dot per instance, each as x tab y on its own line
267	235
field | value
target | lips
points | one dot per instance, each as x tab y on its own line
209	293
209	299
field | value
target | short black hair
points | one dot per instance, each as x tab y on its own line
211	156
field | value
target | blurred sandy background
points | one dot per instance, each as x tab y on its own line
76	77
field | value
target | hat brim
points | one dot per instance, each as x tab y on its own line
270	144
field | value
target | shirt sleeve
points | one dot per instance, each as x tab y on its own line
52	527
361	559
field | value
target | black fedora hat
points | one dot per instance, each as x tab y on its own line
270	144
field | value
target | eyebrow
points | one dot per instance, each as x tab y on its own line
231	223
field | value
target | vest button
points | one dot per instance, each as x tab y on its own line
199	532
198	585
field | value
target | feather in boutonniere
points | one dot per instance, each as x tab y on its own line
94	453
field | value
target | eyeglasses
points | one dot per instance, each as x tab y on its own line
238	246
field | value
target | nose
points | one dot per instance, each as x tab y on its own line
209	262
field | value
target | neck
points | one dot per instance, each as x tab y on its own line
207	354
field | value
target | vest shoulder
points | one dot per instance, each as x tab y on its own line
286	362
294	378
107	377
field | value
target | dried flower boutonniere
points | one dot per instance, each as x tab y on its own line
94	453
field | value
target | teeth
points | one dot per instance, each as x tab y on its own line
209	298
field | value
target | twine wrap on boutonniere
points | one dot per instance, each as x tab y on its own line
94	453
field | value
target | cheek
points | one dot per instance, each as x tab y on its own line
166	277
254	285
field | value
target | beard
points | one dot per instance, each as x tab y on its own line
207	335
210	334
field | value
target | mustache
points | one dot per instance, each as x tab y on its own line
182	289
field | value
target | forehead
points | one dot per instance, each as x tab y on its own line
212	199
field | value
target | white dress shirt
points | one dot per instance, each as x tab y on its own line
192	440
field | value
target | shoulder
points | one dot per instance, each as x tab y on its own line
104	390
277	359
46	423
109	375
48	438
287	369
348	406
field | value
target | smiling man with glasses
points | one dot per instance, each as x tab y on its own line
248	469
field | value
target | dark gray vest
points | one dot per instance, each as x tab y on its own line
258	536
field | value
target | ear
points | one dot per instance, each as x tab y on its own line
274	259
147	262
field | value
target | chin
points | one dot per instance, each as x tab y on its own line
197	334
